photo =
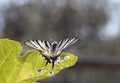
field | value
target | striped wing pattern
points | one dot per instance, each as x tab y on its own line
64	44
39	45
51	50
48	46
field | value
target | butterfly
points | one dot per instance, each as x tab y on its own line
50	50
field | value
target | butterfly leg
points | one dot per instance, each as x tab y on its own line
53	63
47	59
53	60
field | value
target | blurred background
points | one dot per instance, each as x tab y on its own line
95	22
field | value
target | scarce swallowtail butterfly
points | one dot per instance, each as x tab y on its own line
50	50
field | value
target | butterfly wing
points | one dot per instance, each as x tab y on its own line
68	42
50	50
39	45
64	44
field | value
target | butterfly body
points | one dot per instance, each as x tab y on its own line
50	50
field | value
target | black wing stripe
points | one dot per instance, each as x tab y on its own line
68	43
33	43
42	44
59	46
71	41
60	43
36	44
28	43
63	43
41	48
48	43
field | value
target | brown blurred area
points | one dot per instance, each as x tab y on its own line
99	60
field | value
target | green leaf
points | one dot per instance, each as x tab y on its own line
29	67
